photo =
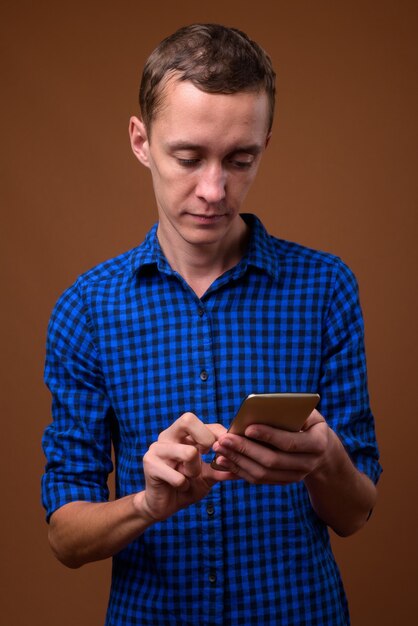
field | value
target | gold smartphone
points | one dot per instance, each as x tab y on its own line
287	411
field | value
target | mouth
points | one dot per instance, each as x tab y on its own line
204	218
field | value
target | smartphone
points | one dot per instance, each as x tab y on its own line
287	411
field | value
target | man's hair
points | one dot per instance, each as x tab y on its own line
214	58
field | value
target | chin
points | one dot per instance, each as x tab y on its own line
205	234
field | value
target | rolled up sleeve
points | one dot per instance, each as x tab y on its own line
77	444
343	385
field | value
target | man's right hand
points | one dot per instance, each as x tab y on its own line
175	477
175	474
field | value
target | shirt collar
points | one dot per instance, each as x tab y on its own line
149	253
261	252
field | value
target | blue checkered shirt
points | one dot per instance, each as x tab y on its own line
131	347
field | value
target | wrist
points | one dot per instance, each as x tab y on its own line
141	509
333	460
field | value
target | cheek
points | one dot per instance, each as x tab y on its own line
171	175
239	187
172	186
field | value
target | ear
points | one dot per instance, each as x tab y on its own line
139	140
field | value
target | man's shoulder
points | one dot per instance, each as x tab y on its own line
293	252
118	268
105	279
102	275
324	271
111	268
277	254
285	253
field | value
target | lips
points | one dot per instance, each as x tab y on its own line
207	218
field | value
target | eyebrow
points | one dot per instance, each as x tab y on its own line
185	145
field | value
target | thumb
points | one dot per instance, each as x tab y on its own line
314	418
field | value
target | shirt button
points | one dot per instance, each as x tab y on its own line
200	312
212	578
210	509
204	375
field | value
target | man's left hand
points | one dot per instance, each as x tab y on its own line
289	457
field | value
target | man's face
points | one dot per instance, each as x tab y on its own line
203	154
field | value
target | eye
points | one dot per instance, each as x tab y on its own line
187	162
241	165
241	160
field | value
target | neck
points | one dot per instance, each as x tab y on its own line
201	264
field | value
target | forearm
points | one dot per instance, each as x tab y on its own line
175	477
81	532
341	495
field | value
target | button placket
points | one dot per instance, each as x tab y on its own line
210	517
210	509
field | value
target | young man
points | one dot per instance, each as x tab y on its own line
156	349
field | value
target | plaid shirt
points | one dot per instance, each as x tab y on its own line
131	347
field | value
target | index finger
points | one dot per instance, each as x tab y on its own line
309	440
189	429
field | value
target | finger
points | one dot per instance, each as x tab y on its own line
311	440
314	418
213	475
158	472
217	429
184	458
254	473
237	450
189	429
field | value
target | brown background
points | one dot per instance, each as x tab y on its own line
339	175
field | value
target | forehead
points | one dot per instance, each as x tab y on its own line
189	114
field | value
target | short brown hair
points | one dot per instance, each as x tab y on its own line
215	58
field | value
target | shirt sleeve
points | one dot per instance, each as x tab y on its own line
343	386
77	443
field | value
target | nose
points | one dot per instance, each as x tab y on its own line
211	184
